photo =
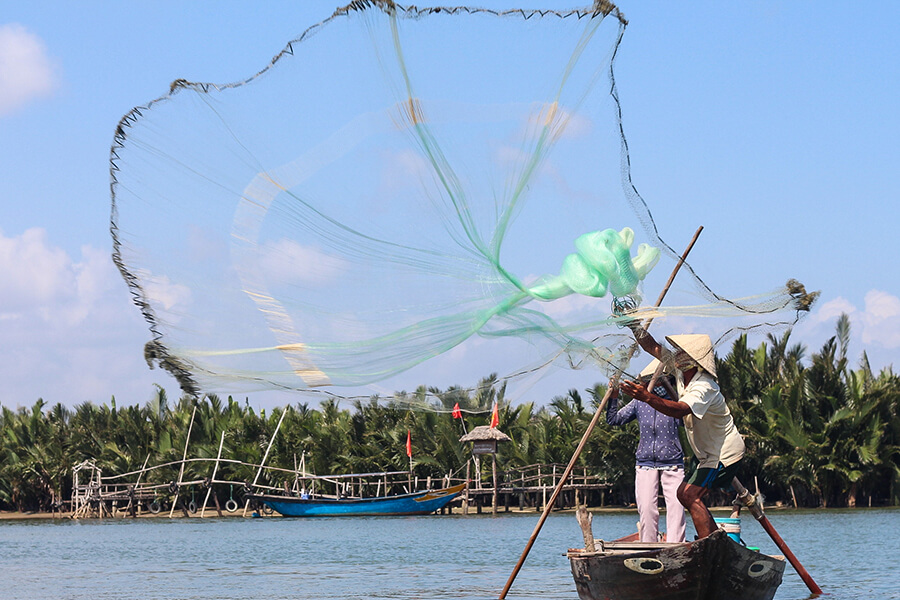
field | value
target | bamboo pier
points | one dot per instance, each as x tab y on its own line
141	493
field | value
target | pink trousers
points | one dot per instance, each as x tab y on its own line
646	491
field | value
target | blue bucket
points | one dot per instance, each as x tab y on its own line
732	527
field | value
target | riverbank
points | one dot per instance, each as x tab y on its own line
210	513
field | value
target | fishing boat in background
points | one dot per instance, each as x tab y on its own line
711	568
418	503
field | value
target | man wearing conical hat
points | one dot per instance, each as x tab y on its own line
710	428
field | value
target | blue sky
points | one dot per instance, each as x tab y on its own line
774	125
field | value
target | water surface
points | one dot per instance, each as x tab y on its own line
851	554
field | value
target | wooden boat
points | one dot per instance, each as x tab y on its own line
713	568
419	503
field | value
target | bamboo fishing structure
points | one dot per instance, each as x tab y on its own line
146	491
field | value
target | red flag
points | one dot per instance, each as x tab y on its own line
457	414
408	444
495	417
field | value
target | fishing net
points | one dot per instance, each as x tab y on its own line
401	191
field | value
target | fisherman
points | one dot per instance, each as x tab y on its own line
710	429
659	460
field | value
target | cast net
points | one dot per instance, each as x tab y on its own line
400	194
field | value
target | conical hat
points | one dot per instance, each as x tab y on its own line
650	369
699	347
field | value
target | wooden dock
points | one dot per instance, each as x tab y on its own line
531	486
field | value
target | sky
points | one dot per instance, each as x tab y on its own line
772	124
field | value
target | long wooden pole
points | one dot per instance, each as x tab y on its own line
183	458
265	456
137	485
213	478
756	510
549	505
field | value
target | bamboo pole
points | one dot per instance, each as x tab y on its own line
494	498
213	478
465	503
588	431
183	457
137	484
265	456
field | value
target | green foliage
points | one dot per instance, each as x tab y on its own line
823	433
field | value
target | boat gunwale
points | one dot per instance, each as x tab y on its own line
623	548
453	490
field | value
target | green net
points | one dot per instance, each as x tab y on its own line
401	191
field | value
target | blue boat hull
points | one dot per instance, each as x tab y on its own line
421	503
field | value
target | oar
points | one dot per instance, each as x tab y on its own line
756	510
587	433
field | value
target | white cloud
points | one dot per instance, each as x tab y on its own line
70	332
881	319
42	282
875	328
288	261
878	324
26	72
33	275
831	310
160	291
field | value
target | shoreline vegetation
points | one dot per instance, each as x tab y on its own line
819	433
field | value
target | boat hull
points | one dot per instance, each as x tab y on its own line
421	503
712	568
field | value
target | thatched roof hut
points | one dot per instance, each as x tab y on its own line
483	432
484	441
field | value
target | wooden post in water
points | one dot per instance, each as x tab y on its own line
584	521
216	502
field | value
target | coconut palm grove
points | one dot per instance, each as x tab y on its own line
820	432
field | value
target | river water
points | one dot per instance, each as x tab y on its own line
851	554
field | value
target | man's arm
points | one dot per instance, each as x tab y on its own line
671	408
646	341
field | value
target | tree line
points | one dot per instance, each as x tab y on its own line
818	432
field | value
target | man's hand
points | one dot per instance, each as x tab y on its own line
672	408
635	325
613	389
635	390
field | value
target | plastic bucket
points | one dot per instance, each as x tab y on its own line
732	527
